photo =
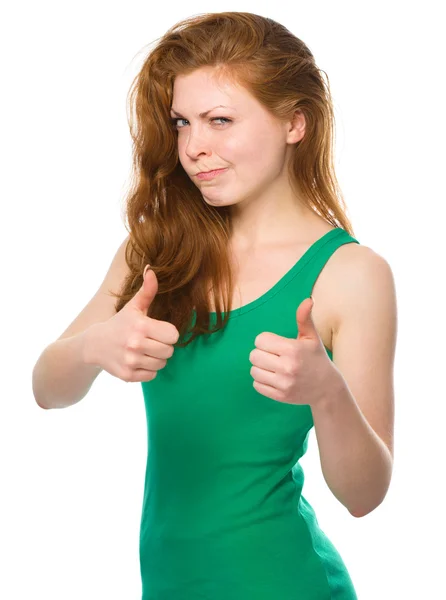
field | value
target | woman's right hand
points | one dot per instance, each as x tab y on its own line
130	345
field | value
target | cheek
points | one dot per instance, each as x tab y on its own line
244	152
258	161
257	147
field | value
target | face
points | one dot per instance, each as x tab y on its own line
242	138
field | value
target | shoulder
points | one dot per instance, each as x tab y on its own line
360	279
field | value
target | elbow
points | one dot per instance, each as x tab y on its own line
363	512
42	407
40	404
359	513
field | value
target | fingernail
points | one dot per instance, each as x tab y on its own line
145	270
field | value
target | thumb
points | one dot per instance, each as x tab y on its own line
305	324
147	292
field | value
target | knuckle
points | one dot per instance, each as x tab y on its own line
290	368
129	359
132	343
288	385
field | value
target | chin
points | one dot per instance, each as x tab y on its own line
215	202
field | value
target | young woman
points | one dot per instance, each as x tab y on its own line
286	321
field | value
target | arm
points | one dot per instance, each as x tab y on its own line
64	372
354	423
62	376
356	463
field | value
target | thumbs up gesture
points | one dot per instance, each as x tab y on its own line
130	345
294	371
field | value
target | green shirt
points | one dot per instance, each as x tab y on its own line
223	515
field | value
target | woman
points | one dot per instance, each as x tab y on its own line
307	332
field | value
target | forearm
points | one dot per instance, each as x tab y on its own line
356	463
62	376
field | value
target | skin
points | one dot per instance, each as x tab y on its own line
254	146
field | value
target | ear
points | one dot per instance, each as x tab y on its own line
296	127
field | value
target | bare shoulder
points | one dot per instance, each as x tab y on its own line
356	271
364	309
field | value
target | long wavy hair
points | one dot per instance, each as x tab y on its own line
171	227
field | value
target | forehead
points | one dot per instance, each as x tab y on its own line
204	88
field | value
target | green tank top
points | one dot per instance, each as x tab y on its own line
223	515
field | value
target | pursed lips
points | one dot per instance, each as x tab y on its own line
219	169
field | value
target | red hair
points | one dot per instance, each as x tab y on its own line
170	226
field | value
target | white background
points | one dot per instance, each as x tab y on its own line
72	479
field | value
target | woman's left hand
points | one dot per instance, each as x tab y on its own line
294	371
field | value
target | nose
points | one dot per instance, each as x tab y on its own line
197	144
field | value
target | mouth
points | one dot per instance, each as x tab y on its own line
206	175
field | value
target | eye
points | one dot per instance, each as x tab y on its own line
175	121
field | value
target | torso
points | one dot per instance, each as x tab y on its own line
257	272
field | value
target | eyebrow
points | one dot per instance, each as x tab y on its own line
203	114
